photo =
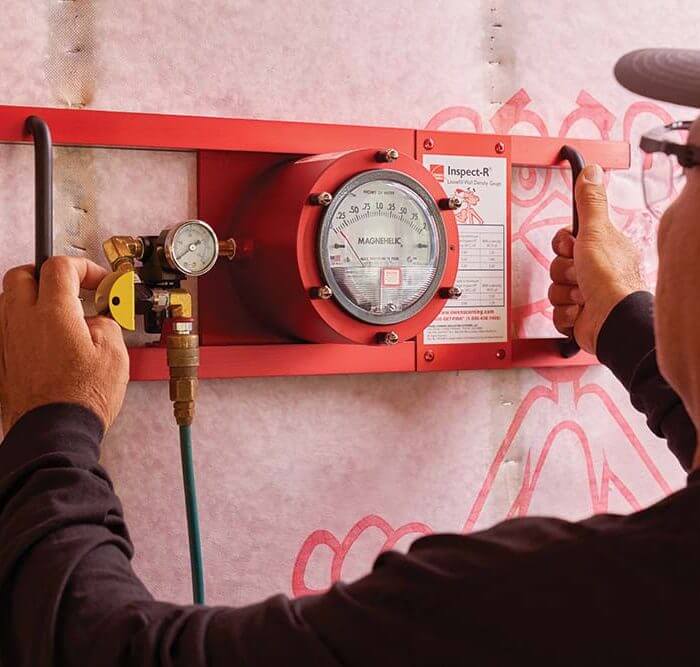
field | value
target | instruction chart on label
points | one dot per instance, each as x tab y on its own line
480	314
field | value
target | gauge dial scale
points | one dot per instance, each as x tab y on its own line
382	246
191	247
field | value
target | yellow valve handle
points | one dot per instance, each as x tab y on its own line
116	297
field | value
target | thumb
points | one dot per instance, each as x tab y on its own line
591	201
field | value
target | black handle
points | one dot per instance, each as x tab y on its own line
569	347
43	190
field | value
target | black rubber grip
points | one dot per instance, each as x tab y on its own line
569	347
43	191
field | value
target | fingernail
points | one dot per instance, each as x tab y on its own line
576	295
593	174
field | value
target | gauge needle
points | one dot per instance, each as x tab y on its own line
347	240
190	248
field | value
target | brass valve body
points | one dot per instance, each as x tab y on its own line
116	295
122	250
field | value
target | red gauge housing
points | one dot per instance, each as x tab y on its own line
281	272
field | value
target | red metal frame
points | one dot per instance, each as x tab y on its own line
468	355
242	149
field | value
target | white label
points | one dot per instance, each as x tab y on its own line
480	314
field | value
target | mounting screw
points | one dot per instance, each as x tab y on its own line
450	293
321	199
390	338
324	292
429	144
450	203
500	354
428	355
500	147
389	155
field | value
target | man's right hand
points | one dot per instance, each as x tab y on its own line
52	353
592	273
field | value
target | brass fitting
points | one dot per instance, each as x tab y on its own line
227	248
183	362
121	251
182	348
180	303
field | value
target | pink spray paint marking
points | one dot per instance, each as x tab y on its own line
340	550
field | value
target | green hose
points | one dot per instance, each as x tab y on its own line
195	539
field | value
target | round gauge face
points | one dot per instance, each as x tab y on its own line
192	247
382	246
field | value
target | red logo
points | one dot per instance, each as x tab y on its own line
438	172
391	277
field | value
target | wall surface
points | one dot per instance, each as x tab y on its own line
304	480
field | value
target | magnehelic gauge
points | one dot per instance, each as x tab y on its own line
351	247
382	247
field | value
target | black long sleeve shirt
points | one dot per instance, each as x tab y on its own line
610	590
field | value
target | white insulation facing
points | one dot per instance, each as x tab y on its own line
304	480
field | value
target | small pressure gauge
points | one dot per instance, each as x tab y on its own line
382	246
191	247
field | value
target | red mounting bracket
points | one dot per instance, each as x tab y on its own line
231	154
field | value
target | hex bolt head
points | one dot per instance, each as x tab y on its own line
390	338
324	292
450	203
429	355
321	198
389	155
500	354
450	293
429	144
500	147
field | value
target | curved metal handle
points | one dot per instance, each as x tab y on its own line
43	190
569	347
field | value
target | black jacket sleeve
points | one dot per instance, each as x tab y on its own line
626	345
69	597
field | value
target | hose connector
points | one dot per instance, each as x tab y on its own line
182	348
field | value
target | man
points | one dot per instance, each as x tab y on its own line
609	590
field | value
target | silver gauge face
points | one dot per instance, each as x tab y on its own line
382	246
191	247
